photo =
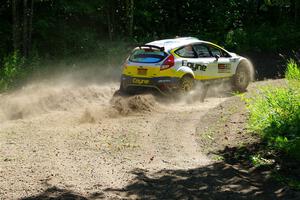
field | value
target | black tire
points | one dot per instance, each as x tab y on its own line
242	77
128	91
186	83
122	91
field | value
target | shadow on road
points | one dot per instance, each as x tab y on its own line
54	193
233	178
217	181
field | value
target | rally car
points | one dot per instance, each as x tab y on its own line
177	64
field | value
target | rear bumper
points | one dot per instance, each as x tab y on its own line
163	84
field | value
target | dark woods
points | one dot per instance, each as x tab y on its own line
63	28
22	14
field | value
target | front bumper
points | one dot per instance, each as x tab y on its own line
163	84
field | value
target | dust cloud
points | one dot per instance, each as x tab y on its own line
40	98
61	89
89	93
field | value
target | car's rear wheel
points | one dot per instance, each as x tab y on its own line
242	77
124	91
186	83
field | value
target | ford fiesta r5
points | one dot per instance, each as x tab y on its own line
176	64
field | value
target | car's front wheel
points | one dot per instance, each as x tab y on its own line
242	77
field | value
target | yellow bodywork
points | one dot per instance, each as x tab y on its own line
152	72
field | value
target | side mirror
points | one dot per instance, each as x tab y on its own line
217	56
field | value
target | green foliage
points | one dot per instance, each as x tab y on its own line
235	39
62	28
291	182
258	160
293	72
12	71
263	37
275	113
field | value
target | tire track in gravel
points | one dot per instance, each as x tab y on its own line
70	137
174	134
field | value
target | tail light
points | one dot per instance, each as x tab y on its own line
169	62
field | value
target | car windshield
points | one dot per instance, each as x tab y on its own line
147	56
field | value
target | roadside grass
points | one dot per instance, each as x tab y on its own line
291	182
275	113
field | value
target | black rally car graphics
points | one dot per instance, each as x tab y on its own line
194	66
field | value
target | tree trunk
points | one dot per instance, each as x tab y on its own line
30	26
129	13
297	10
15	25
109	25
110	19
25	28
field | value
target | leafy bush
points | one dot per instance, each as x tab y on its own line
275	113
12	71
263	37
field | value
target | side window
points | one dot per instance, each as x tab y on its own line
186	52
225	54
216	51
202	51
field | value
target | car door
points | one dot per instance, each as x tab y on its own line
206	64
224	66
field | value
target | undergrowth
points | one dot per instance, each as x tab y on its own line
275	113
106	60
12	71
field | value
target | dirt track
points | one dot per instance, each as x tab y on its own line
77	142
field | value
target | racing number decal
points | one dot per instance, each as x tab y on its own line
194	66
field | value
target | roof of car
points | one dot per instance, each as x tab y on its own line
169	44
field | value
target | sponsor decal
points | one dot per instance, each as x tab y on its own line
140	81
224	68
164	81
194	66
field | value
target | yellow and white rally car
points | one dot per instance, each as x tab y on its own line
176	64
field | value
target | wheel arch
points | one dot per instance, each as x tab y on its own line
241	61
188	74
183	71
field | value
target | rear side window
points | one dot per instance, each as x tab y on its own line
186	52
202	51
147	56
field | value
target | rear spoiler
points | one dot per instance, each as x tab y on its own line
152	46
